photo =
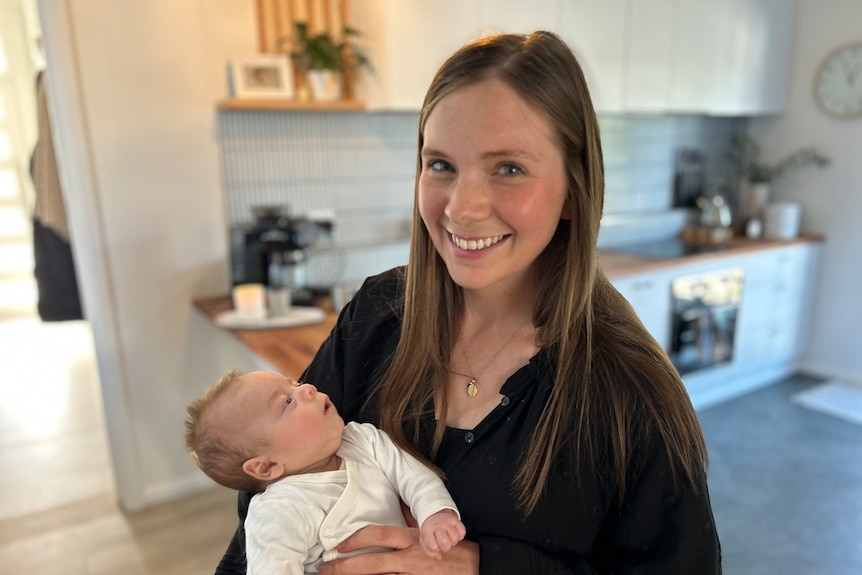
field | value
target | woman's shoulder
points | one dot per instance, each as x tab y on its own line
385	287
378	300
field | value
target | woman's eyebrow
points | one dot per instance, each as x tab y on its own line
432	152
509	154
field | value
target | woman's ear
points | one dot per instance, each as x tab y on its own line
261	467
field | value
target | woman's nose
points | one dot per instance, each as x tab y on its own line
469	200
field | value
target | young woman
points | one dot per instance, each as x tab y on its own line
502	353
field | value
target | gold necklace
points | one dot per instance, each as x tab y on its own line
473	380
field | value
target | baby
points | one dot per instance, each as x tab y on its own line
318	480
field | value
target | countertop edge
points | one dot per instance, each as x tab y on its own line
617	264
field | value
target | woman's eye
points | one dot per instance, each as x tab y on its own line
511	170
439	166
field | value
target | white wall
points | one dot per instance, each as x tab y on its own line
832	198
133	91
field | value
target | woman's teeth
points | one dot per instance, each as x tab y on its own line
471	245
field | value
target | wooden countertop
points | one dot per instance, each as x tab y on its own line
290	350
618	264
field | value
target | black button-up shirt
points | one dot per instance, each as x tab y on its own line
578	526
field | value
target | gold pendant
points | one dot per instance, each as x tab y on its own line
472	390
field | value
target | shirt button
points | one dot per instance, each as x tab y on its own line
505	401
468	437
327	531
492	460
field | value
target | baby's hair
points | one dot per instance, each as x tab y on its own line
219	450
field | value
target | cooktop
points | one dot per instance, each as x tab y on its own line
669	249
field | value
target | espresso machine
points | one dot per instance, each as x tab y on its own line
273	250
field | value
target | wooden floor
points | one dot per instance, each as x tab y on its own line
58	513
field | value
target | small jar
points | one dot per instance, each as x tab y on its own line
754	229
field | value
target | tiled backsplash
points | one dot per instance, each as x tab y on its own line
361	166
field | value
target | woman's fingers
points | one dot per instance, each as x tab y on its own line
380	536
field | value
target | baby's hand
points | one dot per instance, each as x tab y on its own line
441	532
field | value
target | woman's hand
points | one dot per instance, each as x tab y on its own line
407	557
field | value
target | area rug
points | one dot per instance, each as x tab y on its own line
836	398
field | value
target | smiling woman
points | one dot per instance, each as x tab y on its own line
574	448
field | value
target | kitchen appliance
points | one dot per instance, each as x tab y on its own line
715	218
273	250
689	178
703	319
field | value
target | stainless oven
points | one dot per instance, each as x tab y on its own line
704	315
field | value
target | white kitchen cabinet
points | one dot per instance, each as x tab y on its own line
772	326
517	16
407	42
732	57
649	55
722	58
756	36
694	79
663	56
597	31
650	296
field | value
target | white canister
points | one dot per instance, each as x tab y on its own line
781	220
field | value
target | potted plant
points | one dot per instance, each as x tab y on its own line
745	155
325	60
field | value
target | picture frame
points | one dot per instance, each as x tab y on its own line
261	76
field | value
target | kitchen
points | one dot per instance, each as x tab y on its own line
146	202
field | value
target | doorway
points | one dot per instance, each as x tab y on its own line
17	136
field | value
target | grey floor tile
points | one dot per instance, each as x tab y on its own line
786	485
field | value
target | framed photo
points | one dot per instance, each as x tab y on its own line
262	76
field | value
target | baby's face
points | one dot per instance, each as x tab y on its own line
299	425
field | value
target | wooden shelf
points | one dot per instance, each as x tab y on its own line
290	105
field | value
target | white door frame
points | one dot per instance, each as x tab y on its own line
83	206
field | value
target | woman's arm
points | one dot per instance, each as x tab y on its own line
234	562
663	527
407	557
498	556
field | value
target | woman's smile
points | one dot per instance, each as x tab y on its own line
472	245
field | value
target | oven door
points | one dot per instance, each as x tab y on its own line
703	323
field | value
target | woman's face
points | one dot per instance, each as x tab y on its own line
492	187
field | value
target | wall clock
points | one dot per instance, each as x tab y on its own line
838	82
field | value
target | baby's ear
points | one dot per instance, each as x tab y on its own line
260	467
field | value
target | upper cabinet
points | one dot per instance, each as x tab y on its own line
407	42
728	58
665	56
758	40
731	57
597	33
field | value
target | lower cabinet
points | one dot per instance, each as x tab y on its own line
773	318
650	296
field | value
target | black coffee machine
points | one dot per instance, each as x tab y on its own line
272	250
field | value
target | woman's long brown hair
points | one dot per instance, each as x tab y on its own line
613	384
